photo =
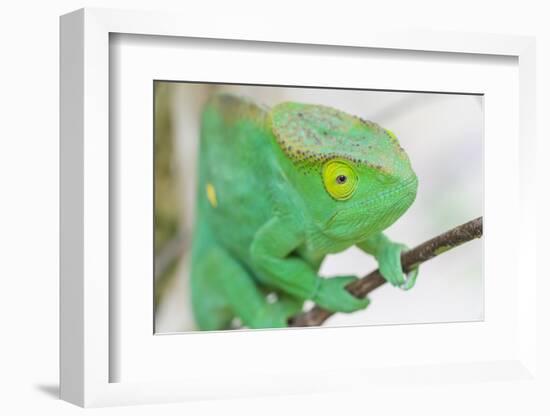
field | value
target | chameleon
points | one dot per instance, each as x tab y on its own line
278	189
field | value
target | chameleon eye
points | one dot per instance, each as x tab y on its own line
340	179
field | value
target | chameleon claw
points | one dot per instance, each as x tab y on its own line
410	280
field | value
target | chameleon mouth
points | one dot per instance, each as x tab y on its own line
409	184
406	188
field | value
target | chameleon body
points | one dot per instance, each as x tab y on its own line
279	189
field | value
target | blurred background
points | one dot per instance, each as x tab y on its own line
443	135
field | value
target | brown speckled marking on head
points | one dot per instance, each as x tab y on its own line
313	134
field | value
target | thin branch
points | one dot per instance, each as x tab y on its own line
409	260
169	252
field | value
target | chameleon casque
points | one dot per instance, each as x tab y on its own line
278	190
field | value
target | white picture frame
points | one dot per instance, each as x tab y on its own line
87	356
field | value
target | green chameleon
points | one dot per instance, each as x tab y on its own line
278	190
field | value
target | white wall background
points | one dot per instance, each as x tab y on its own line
29	209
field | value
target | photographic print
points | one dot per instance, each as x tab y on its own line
283	206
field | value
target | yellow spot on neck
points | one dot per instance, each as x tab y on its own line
211	195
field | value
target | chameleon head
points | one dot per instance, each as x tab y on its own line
352	175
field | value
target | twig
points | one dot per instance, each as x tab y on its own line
409	260
170	252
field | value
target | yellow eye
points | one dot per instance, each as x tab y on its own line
340	179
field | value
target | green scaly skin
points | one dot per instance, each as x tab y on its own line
266	217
